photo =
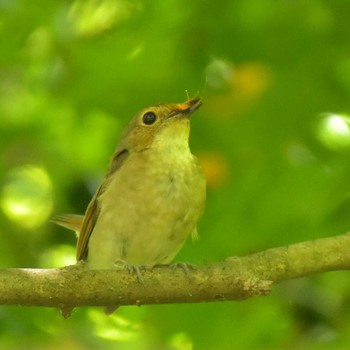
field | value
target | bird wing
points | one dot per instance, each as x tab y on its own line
93	209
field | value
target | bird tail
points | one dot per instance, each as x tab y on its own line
70	221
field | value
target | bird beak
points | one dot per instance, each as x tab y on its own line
189	106
186	108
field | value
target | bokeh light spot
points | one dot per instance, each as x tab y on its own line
181	341
334	131
92	17
58	256
26	196
115	327
219	74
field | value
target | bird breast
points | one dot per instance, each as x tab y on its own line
150	206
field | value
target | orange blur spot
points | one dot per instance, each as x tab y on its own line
247	84
216	169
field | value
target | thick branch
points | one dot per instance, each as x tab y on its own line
235	279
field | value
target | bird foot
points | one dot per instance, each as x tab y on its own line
185	267
132	269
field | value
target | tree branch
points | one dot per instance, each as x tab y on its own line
235	279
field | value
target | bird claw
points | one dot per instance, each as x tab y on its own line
132	269
185	267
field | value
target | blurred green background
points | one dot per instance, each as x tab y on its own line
273	136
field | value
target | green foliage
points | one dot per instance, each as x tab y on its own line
273	136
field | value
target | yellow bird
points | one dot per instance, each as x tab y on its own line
151	197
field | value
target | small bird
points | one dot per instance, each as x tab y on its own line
151	197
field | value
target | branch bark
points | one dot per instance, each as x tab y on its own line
236	278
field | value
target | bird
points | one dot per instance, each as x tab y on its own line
151	197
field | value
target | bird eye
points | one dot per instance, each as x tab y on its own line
149	118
